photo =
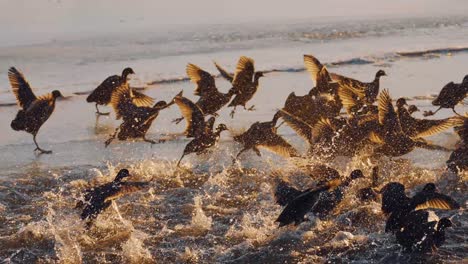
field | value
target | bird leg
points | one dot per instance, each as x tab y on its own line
252	108
453	109
280	124
98	112
42	151
238	154
430	113
257	151
178	163
112	137
114	206
178	120
427	145
153	141
232	112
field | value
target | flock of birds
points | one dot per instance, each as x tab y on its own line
369	119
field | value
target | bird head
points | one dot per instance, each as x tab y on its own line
123	173
127	71
160	104
222	127
392	195
430	187
356	174
465	79
380	73
259	74
56	94
401	102
444	223
412	109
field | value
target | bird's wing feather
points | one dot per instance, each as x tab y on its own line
426	127
279	145
141	100
205	82
244	73
301	127
226	75
313	66
192	114
21	88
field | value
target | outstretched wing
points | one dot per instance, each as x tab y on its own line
434	200
121	101
226	75
427	127
387	114
21	88
205	82
349	99
140	99
301	127
313	66
279	145
193	116
284	193
244	73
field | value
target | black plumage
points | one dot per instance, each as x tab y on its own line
416	128
136	119
102	95
422	234
408	220
397	205
450	95
34	110
202	143
458	160
211	100
389	135
244	84
264	135
320	200
99	198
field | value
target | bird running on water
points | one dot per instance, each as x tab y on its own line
35	110
102	95
245	83
98	199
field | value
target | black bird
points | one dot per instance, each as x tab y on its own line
424	232
35	110
194	118
136	119
320	200
458	160
284	193
416	128
99	198
321	102
368	92
361	93
244	84
392	140
450	95
103	93
264	135
333	137
201	143
412	109
211	100
397	205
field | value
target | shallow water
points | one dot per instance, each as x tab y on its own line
210	211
